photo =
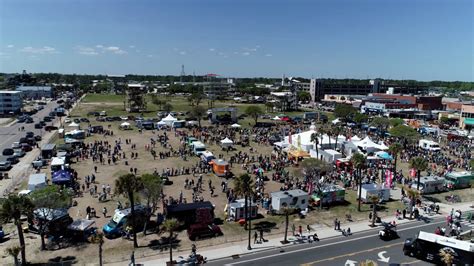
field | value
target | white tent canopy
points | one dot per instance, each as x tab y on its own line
276	118
368	145
335	121
355	138
73	124
169	120
235	126
125	124
226	142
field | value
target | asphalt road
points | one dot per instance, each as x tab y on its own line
341	250
10	134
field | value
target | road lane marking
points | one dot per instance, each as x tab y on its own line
329	244
410	262
351	254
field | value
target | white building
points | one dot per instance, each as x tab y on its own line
36	92
10	102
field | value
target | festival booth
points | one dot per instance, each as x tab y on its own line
226	143
36	181
296	199
81	229
383	193
62	177
369	146
236	210
235	126
328	155
125	126
328	195
168	120
276	118
220	167
57	164
207	157
384	155
343	163
298	155
161	124
73	124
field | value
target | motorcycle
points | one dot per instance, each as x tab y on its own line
389	232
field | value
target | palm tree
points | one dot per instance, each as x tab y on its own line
243	187
374	199
336	130
419	164
358	161
395	150
127	185
315	140
446	256
99	239
170	225
412	195
14	251
286	211
13	208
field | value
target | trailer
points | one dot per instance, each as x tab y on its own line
329	194
368	190
36	181
191	213
430	184
236	210
455	180
429	145
296	199
48	151
220	167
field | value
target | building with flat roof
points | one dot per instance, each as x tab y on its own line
36	92
10	102
467	117
320	87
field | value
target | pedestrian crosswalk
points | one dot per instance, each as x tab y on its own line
466	225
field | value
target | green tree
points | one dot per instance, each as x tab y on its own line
170	225
99	240
360	118
381	123
195	98
412	195
151	192
315	140
444	120
128	185
395	150
243	186
14	251
396	122
287	212
304	96
419	164
358	160
167	107
446	256
269	106
198	112
46	201
404	132
253	111
12	209
312	170
374	199
344	111
336	131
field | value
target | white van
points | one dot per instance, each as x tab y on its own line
198	148
429	145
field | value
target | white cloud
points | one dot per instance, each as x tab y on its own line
111	49
131	46
236	52
221	53
245	53
149	56
268	55
212	49
99	46
182	53
39	50
86	50
10	46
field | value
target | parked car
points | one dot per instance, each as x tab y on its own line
47	119
8	152
49	128
12	159
38	138
77	121
67	120
26	147
19	153
85	120
22	140
16	145
29	134
42	123
29	120
5	165
38	126
200	231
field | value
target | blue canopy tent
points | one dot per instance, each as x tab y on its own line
384	155
62	177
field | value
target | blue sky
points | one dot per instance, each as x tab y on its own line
398	39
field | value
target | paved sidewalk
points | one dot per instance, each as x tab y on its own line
240	248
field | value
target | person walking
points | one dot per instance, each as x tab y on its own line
308	228
335	224
255	236
104	211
